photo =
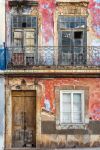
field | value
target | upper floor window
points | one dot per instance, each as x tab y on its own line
24	21
24	39
24	31
72	39
71	107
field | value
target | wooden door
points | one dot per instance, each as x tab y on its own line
24	118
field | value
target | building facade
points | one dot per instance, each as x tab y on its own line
2	111
52	74
2	80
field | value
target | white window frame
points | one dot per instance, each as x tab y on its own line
82	104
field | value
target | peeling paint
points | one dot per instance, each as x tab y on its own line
2	103
94	7
94	94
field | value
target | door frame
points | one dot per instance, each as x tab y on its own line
12	118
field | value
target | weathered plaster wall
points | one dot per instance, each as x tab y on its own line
48	31
48	135
73	137
2	110
2	22
2	32
48	98
94	16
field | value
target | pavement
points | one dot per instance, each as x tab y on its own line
95	148
91	148
88	148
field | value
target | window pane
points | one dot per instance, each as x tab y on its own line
66	107
77	98
72	111
24	21
77	102
77	109
67	97
66	118
74	22
77	118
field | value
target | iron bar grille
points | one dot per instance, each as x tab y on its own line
28	57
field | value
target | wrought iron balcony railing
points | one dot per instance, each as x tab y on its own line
28	57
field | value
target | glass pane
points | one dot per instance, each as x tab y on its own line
77	98
72	25
66	107
62	25
66	117
34	22
74	22
20	19
19	24
66	42
76	107
28	18
33	19
23	18
28	24
77	103
15	25
67	97
14	19
77	118
77	19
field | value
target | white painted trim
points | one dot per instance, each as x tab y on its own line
82	104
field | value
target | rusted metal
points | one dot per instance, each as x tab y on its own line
21	57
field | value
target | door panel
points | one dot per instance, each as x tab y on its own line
72	50
24	46
24	119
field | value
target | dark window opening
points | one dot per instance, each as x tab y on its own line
78	35
24	25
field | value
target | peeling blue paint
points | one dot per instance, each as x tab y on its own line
2	59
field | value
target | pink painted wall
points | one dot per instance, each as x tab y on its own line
93	84
94	7
47	8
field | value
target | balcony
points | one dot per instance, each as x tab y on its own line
52	57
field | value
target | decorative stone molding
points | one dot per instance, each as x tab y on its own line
69	8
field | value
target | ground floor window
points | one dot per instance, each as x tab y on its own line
71	106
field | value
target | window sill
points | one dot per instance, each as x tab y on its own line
72	126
